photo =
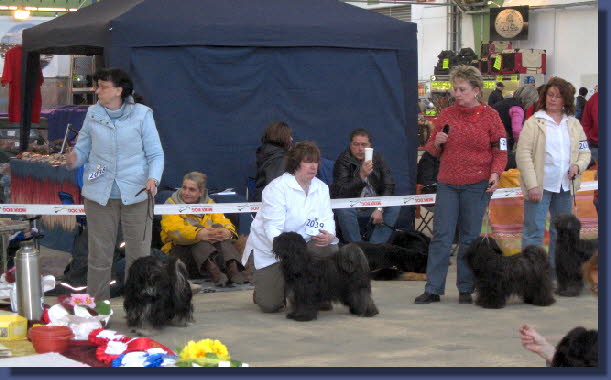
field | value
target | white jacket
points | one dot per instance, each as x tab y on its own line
286	208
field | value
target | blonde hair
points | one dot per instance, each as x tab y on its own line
467	73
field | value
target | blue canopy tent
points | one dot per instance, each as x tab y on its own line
217	73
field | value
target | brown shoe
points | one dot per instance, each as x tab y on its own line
218	278
234	274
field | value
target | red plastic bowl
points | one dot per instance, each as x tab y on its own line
50	338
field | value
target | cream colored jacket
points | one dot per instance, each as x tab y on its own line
530	153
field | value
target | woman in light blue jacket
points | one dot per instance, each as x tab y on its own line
120	147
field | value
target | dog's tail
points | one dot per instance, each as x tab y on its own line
351	258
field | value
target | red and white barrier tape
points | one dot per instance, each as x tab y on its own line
229	208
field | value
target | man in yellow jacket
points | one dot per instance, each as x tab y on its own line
201	241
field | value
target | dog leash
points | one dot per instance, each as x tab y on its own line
149	211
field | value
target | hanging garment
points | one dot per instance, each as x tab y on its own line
12	75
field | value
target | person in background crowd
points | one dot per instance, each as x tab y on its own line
511	112
469	139
121	147
551	155
354	177
580	102
496	95
589	121
531	110
289	202
201	241
276	141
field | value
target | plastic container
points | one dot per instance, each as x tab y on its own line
50	338
13	327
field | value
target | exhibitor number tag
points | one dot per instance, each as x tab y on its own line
313	226
502	143
583	145
96	173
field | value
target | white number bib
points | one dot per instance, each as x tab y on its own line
583	145
502	143
313	226
96	173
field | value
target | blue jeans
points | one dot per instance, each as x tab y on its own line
535	214
347	219
464	205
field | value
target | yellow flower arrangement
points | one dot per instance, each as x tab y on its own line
200	349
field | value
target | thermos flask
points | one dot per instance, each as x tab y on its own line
28	283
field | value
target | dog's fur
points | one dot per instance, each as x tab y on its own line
407	253
571	253
312	282
497	277
579	348
157	294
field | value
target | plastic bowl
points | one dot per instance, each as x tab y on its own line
50	338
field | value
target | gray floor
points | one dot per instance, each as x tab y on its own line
402	335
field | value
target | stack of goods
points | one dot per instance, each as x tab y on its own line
466	56
491	61
445	61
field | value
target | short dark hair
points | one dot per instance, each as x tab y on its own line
579	348
583	91
500	84
567	91
305	151
118	77
277	133
360	132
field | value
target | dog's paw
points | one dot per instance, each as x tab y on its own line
144	332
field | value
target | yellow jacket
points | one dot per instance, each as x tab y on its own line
182	229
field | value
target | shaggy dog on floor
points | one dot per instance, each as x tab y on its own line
407	253
157	294
497	277
313	282
571	253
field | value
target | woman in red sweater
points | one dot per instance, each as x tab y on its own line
469	139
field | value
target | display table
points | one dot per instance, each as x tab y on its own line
40	183
507	215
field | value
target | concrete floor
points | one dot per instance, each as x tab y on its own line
444	334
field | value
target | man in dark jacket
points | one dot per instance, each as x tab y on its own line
496	95
352	178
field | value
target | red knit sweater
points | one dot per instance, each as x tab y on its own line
468	156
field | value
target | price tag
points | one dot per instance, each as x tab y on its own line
10	133
430	113
446	63
514	77
498	61
489	84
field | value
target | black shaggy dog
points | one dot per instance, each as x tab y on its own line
497	277
407	253
579	348
313	282
157	294
571	253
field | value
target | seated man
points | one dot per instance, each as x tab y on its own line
201	241
354	178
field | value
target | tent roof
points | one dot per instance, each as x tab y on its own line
132	23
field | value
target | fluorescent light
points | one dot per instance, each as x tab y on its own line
12	8
73	9
3	8
52	9
21	15
30	8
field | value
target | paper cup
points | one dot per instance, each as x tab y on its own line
368	154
